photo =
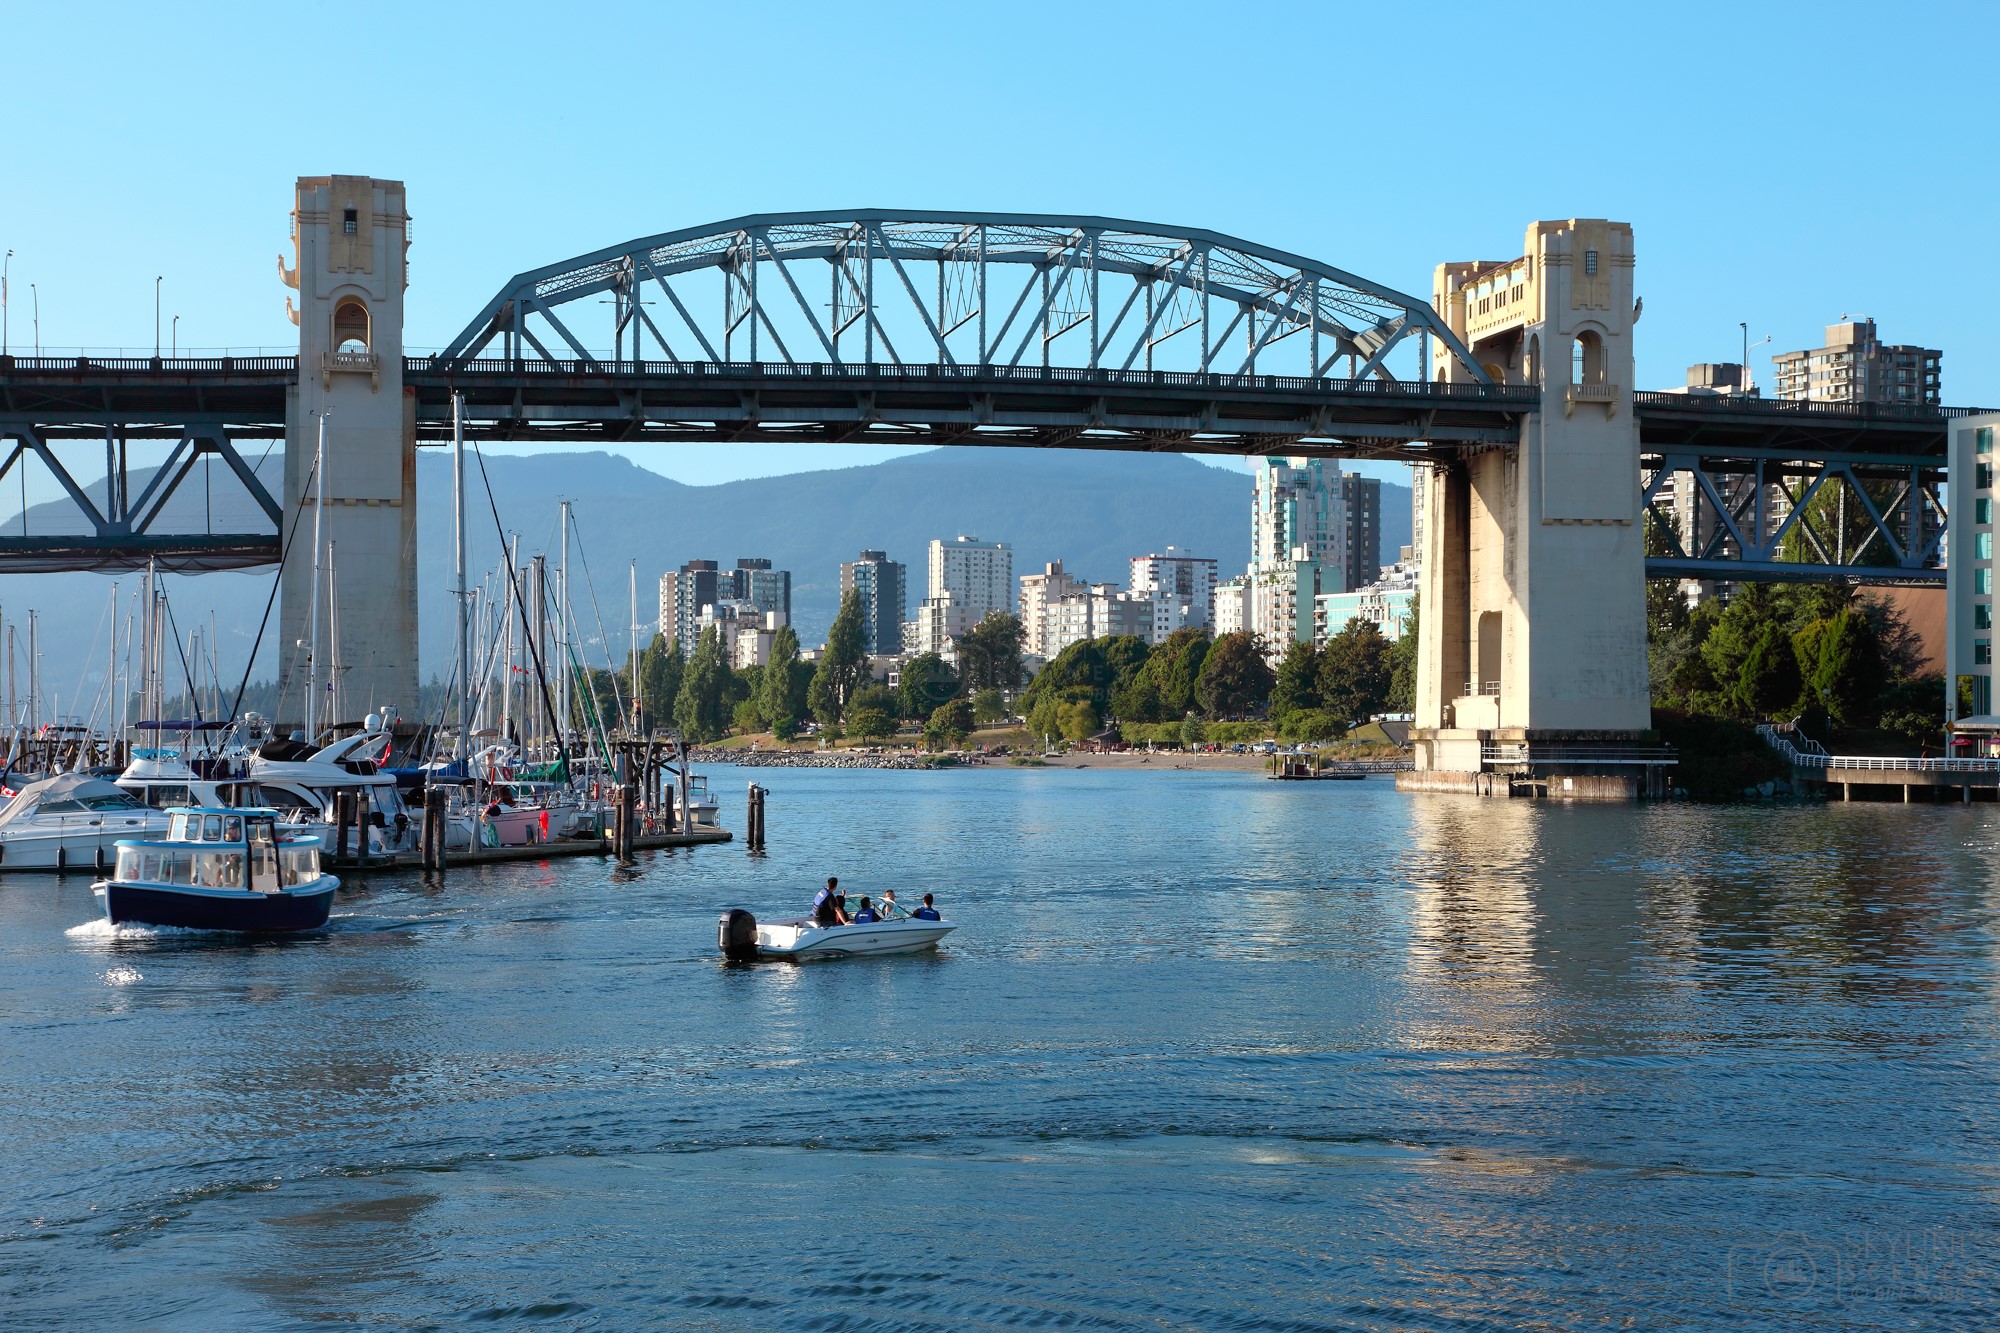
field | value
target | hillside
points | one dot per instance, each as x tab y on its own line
1091	510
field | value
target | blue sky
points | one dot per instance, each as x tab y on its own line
1780	164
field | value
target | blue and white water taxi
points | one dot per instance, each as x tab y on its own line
220	868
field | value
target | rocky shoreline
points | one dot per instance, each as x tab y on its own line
815	759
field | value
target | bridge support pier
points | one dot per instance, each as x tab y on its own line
349	234
1532	661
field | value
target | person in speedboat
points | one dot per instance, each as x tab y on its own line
866	916
828	907
928	912
888	909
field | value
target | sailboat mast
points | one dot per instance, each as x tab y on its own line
633	589
458	560
564	682
312	617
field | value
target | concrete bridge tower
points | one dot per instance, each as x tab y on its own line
349	235
1532	666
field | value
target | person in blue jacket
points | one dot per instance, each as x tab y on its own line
866	916
928	912
826	907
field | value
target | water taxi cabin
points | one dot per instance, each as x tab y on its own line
221	848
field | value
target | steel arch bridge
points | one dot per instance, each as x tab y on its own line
958	289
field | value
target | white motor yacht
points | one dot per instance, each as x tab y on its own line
743	937
72	820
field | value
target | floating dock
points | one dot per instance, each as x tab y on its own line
540	851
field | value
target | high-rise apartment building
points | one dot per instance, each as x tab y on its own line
1180	588
1037	592
1969	593
1096	611
1362	497
883	587
700	585
767	589
1856	367
977	576
1298	516
683	594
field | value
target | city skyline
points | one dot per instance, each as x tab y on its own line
1703	266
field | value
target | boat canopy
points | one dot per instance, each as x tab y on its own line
180	724
88	793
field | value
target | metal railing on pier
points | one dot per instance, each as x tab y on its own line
1811	754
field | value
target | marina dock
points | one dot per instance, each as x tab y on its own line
540	851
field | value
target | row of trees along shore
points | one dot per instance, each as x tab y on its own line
1167	692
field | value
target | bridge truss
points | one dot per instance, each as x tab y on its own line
1760	490
918	288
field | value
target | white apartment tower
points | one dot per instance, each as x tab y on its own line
1038	591
1298	516
977	576
1180	588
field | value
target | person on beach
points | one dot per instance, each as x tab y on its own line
826	907
927	912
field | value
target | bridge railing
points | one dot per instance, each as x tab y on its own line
1508	395
1527	752
1814	755
1797	406
153	365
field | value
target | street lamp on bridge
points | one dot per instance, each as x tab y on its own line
1749	380
5	265
156	317
177	336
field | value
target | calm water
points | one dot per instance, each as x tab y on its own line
1208	1053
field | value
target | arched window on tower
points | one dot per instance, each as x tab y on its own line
1587	359
1531	360
350	326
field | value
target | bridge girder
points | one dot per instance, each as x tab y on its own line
990	270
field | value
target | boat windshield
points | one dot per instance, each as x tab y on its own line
83	805
218	869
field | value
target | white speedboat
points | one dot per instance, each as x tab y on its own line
743	937
71	821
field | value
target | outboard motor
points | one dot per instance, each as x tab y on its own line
736	933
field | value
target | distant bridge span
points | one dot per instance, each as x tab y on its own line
917	328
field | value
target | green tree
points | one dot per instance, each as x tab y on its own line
869	721
1235	679
1295	687
1079	720
1124	658
661	667
1403	664
843	666
1077	667
950	724
1844	675
1767	683
988	707
1173	669
989	654
1354	672
1193	733
928	683
701	709
747	716
783	688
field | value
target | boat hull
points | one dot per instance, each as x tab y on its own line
219	909
803	941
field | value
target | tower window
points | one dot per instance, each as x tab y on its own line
1589	263
350	222
350	326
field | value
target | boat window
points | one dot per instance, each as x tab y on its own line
232	828
279	798
163	795
129	863
62	807
177	828
211	828
122	801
